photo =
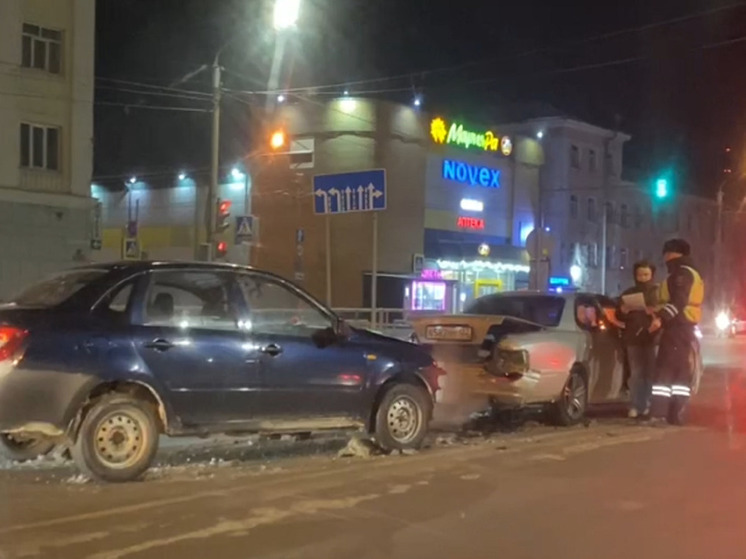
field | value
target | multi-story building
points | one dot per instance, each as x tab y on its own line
46	150
581	180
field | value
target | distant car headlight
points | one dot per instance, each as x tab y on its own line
722	321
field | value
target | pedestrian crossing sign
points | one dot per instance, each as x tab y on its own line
131	249
245	229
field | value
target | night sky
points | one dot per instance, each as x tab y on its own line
679	88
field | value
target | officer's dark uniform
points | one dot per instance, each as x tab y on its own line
680	309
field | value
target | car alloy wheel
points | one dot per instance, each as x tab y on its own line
404	418
575	397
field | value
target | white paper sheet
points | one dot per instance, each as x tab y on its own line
634	302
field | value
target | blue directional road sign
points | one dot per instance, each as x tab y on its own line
245	225
361	191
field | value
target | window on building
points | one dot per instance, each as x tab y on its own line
610	165
639	217
563	255
609	257
591	211
592	255
609	209
41	48
623	258
574	207
575	157
592	164
624	215
40	147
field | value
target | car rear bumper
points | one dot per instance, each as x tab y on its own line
533	387
40	402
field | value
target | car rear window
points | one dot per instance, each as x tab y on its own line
544	310
57	289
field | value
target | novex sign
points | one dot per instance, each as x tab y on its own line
473	175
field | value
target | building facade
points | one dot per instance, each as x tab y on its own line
460	201
582	179
46	150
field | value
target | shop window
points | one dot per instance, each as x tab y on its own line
592	164
624	215
575	157
574	207
591	209
428	296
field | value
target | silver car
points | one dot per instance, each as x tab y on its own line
528	348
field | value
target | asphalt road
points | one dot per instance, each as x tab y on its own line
610	489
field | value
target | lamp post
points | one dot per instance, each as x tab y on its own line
285	17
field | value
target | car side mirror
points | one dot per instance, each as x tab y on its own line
325	337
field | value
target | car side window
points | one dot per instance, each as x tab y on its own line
586	315
115	305
192	299
276	309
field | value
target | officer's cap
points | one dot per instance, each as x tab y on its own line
679	246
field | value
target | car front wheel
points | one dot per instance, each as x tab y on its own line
23	449
571	406
117	439
402	417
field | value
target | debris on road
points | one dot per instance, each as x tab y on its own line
359	448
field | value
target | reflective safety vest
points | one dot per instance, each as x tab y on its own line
693	309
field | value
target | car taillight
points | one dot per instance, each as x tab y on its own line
10	340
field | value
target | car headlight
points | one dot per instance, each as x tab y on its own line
722	321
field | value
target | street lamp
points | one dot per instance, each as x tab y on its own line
286	14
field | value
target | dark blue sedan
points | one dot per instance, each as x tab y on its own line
105	358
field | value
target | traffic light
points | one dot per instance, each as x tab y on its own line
223	218
277	140
221	249
661	188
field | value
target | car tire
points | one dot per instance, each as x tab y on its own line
117	439
570	407
22	449
402	417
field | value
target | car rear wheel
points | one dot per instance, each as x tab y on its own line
402	417
23	449
117	439
570	407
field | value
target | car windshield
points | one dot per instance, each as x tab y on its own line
541	309
56	289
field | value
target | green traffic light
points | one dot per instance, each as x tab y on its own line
661	188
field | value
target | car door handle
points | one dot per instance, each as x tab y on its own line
272	349
159	345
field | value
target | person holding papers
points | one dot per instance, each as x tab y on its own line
640	342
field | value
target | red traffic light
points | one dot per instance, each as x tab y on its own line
225	207
222	248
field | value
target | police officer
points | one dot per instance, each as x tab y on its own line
679	310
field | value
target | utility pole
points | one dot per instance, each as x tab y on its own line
215	159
